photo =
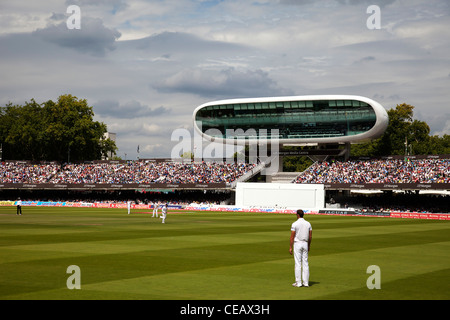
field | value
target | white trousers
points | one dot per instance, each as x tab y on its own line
301	262
155	211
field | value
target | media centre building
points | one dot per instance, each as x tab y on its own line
294	120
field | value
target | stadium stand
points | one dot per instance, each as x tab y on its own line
133	174
407	185
378	171
356	171
123	173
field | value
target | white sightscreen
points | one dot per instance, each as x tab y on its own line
280	195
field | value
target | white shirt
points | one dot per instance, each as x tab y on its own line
301	228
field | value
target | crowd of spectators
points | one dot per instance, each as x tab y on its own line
140	172
11	172
123	173
360	171
378	171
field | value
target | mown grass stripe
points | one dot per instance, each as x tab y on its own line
414	287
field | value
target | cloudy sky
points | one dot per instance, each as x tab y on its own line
145	66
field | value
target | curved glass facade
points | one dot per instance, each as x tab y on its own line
292	120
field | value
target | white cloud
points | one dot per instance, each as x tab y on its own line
128	110
445	130
150	148
151	128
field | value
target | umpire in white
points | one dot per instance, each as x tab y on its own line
19	207
300	243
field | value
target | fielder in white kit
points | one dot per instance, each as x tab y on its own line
300	242
155	209
129	206
164	213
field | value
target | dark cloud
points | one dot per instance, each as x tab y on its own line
114	5
57	17
393	97
365	60
296	2
93	37
181	43
129	110
380	3
224	83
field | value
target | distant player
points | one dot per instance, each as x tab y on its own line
19	207
155	210
129	206
164	213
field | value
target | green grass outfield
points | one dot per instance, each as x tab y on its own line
216	256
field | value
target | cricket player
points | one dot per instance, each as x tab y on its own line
164	213
155	210
129	206
300	243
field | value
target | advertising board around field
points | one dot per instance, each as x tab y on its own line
409	215
353	212
118	205
417	215
232	208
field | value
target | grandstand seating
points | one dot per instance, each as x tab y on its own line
378	171
130	175
356	171
123	173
